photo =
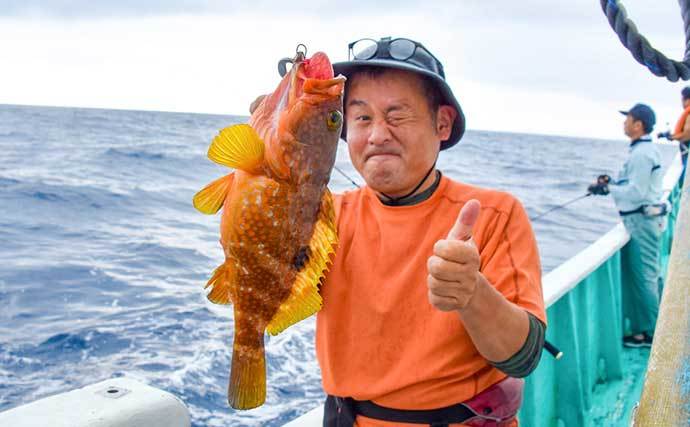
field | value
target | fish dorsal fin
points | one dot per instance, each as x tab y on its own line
304	299
210	199
238	147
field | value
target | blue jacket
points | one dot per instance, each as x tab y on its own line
640	181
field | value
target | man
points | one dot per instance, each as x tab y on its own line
434	296
637	194
681	133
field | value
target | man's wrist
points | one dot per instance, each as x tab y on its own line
472	304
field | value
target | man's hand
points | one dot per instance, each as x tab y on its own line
598	189
498	328
603	179
454	267
666	135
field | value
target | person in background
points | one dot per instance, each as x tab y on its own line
638	196
681	133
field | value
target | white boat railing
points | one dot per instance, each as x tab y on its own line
566	276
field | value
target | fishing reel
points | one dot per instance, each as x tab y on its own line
300	54
603	179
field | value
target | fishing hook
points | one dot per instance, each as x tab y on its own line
300	54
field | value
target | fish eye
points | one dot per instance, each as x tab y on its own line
334	119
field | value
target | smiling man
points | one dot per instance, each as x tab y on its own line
433	306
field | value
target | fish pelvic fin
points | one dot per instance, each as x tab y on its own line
304	299
222	284
247	386
238	147
210	199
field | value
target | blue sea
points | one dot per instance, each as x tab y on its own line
103	259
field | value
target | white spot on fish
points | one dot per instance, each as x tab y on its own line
258	199
269	214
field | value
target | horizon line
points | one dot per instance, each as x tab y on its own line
247	116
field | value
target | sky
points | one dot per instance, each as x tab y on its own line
535	66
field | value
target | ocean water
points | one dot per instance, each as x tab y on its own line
103	259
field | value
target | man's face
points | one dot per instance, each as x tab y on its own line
392	136
632	127
686	102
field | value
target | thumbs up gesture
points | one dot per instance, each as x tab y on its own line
454	266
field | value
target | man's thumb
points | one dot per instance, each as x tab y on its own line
462	230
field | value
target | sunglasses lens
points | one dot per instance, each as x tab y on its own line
402	49
364	49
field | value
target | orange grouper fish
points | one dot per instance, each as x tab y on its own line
278	222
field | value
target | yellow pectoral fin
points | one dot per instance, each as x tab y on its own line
238	147
210	199
222	284
304	299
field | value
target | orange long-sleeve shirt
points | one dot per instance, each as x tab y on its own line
377	336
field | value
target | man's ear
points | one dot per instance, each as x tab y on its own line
639	125
445	117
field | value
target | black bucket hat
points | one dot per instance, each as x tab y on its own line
408	55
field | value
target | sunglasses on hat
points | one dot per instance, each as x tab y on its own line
400	49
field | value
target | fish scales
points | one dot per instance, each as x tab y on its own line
278	221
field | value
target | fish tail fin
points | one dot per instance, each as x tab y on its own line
210	199
222	284
247	387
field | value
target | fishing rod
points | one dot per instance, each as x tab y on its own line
553	350
531	219
534	218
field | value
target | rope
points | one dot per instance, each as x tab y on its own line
640	47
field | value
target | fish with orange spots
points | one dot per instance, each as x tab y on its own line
278	221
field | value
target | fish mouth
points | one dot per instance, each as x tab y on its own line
313	89
313	78
324	85
316	90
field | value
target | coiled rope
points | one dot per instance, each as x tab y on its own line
641	49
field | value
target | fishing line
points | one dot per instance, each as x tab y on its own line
346	177
534	218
